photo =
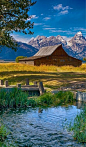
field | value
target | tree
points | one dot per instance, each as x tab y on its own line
19	57
84	59
14	17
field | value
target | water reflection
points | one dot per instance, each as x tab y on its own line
41	127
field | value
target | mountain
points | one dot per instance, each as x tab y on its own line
78	45
23	50
75	47
42	41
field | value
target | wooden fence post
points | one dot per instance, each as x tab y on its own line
18	85
27	81
1	82
35	82
41	88
6	83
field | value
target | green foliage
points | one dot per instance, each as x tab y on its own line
62	97
79	127
19	57
14	17
31	102
84	59
3	133
17	98
14	98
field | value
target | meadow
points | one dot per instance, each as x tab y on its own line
52	77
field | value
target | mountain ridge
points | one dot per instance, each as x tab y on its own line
75	47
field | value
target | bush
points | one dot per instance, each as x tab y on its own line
19	57
84	59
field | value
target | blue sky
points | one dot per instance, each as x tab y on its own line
56	17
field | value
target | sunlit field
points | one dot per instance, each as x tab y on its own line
51	76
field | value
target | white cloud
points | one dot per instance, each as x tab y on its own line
42	14
38	24
67	38
79	29
32	17
49	28
60	7
63	10
19	38
47	18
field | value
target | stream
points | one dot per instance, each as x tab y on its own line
46	128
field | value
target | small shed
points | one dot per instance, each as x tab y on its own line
51	55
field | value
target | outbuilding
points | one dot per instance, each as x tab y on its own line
51	55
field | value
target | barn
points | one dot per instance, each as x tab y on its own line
51	55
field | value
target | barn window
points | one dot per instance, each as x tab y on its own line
62	60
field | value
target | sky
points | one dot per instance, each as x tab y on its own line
56	17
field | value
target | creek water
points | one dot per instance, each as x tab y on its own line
45	128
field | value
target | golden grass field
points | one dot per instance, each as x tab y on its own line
51	76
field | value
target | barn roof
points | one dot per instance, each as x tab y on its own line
46	51
31	58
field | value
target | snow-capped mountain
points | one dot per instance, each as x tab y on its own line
78	45
42	41
75	47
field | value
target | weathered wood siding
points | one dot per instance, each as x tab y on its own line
27	62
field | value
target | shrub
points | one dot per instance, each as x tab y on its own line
19	57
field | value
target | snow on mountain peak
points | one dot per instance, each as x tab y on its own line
79	33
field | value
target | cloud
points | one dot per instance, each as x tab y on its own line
42	14
47	18
79	29
62	31
38	24
62	10
49	28
32	17
67	38
60	7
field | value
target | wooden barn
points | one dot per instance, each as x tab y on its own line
51	55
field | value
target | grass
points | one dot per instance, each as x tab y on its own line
79	127
13	99
3	133
51	76
60	98
17	98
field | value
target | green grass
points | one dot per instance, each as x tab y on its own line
17	98
79	127
14	98
3	133
60	98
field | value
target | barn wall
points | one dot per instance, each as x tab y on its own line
27	62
